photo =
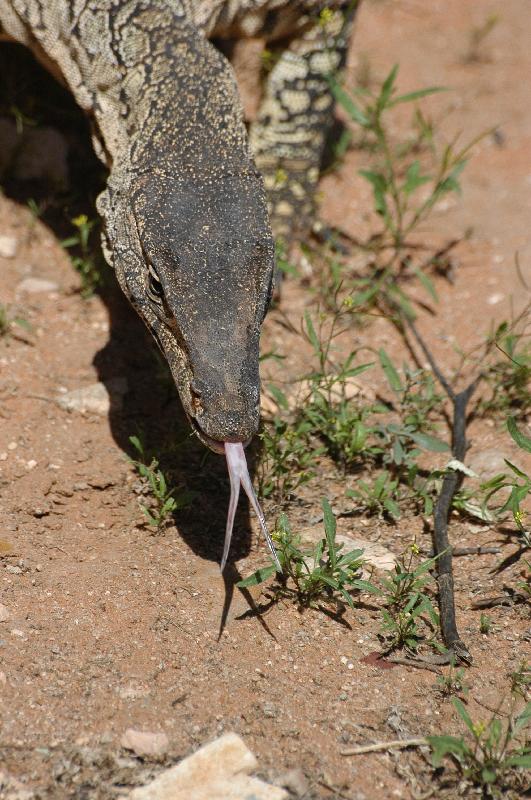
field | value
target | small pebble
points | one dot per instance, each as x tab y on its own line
36	286
144	743
8	246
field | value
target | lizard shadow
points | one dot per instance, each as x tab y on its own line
151	410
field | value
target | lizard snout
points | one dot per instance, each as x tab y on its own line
220	414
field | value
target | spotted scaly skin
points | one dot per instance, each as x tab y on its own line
309	41
185	216
184	210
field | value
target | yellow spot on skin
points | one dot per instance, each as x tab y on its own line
297	190
322	103
295	101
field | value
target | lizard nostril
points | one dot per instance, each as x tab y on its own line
195	390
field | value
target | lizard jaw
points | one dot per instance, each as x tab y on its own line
213	444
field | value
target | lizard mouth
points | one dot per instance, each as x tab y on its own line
216	445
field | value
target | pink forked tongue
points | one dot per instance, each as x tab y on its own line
238	473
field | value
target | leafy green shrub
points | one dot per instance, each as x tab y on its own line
406	603
311	576
493	753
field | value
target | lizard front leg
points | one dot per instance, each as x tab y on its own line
296	116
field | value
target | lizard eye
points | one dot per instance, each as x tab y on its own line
155	290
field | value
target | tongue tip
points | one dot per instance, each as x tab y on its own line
239	474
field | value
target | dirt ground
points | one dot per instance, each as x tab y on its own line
110	627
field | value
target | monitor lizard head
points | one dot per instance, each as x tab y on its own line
196	258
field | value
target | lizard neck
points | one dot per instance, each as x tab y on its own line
182	109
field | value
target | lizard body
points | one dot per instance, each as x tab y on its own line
185	217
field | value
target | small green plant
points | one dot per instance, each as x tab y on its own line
406	603
521	680
453	682
492	755
87	258
477	37
485	624
525	585
4	321
405	189
8	320
329	410
509	378
380	497
310	576
164	501
392	189
287	460
519	484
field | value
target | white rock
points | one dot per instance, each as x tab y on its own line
13	789
4	613
376	555
295	781
144	743
298	395
217	771
97	398
8	246
488	463
37	286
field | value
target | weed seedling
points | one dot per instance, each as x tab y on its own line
521	680
287	459
509	378
477	37
492	755
405	189
519	484
87	259
453	682
379	497
485	624
7	321
164	501
406	602
310	576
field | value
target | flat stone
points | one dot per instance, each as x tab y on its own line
37	286
144	743
217	770
375	555
13	789
4	613
97	398
8	246
295	781
488	463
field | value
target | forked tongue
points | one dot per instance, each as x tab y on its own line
239	474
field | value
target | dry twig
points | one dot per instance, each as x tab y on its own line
396	744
